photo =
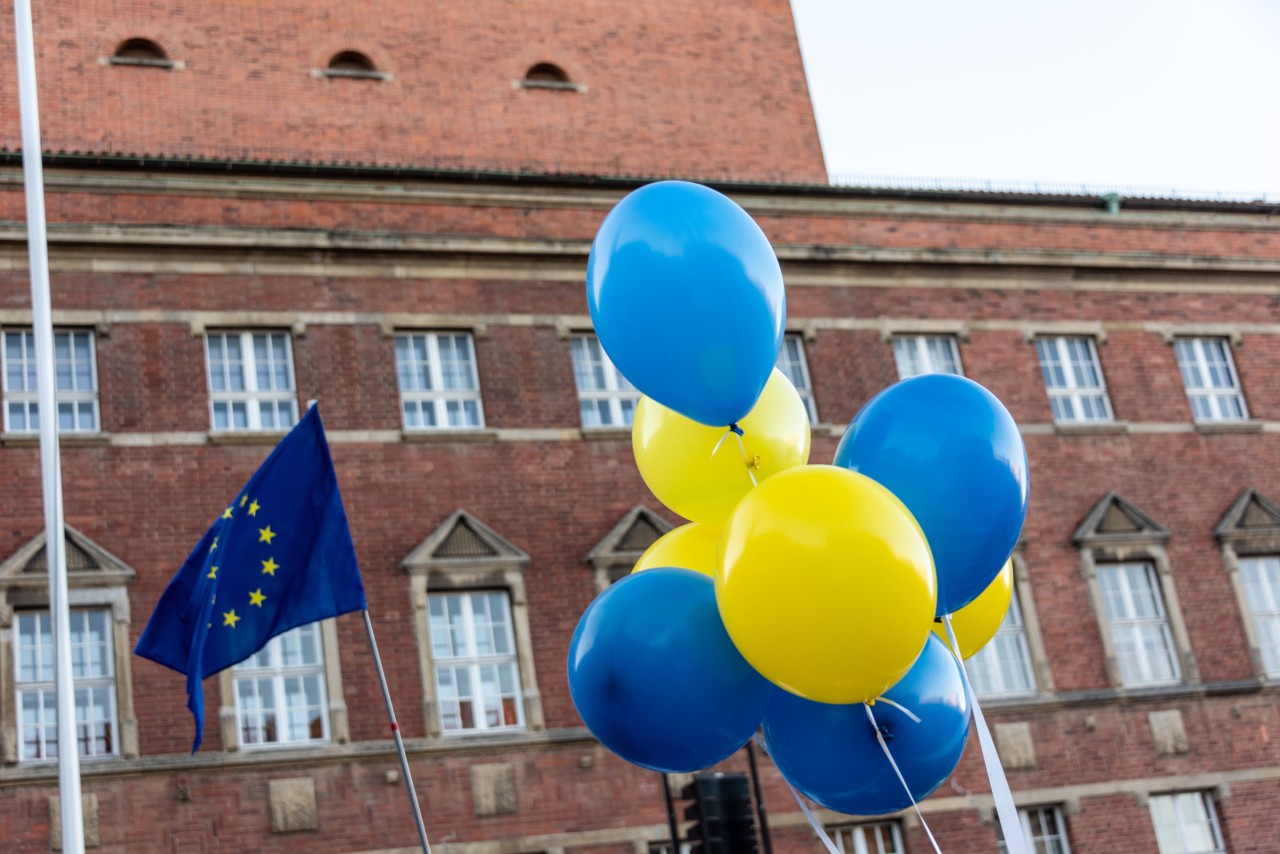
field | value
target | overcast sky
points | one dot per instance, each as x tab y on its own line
1159	94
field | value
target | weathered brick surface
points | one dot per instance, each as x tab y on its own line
707	91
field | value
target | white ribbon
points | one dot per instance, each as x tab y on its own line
742	447
885	747
1010	825
804	808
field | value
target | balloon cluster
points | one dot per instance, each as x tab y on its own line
798	595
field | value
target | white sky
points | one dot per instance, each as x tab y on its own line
1157	94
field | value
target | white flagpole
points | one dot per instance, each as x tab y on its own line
50	464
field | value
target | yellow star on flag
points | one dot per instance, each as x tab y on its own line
215	544
256	597
230	618
269	567
243	499
213	572
264	535
253	508
226	514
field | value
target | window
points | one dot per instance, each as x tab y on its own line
251	381
1044	828
1210	378
1138	625
439	386
1003	666
792	363
141	52
881	837
75	382
926	354
545	75
471	619
1186	823
352	64
605	397
280	691
92	674
1073	379
1261	578
477	677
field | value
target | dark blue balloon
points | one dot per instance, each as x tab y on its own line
687	299
656	678
952	453
830	752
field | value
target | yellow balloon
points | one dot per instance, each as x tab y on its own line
977	623
825	584
675	454
691	546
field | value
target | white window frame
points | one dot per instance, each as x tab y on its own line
1072	399
435	398
853	838
795	366
251	397
28	398
914	355
105	681
1209	400
1137	669
277	674
473	661
1260	577
1208	816
985	673
615	391
1037	833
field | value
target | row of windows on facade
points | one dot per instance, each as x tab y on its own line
251	379
1184	823
280	692
353	64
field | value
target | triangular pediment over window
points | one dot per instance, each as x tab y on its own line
1252	517
1115	519
623	545
462	541
88	564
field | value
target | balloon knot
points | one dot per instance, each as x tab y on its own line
734	428
755	462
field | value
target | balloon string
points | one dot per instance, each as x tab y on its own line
1010	825
804	808
897	706
752	463
885	747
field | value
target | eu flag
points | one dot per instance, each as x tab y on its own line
278	557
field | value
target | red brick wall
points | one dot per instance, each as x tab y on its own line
710	90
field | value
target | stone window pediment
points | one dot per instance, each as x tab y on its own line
617	552
1251	525
1116	525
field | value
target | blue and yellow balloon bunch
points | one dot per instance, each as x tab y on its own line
797	592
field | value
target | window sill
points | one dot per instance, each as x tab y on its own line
1090	428
67	440
1241	426
606	434
246	437
474	434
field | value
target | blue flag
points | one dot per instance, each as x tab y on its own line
278	557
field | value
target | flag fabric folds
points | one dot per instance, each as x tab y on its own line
279	556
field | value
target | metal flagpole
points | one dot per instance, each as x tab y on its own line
395	731
50	464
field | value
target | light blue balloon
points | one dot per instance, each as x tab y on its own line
656	678
830	752
687	299
953	455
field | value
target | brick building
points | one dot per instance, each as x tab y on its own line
252	206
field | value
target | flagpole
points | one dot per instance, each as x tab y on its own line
395	731
50	464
